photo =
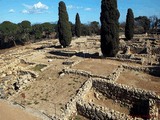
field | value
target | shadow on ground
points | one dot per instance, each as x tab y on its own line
79	54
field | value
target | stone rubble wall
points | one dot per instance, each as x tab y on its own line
70	107
149	70
113	76
77	62
10	65
136	68
153	111
127	95
122	92
116	73
96	112
125	60
56	57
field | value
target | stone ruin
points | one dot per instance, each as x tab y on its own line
142	104
140	50
134	99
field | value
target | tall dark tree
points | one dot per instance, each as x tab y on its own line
129	28
64	27
109	28
78	26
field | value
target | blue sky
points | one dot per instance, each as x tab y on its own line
38	11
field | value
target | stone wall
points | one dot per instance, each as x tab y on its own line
125	60
56	57
96	112
113	76
121	92
153	113
70	107
128	96
150	70
10	65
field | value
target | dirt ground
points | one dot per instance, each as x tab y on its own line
95	66
49	92
104	101
78	117
140	80
8	112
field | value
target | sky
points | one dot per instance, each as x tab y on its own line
39	11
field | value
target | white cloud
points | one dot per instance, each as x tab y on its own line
70	7
88	9
11	11
25	11
74	7
35	9
39	5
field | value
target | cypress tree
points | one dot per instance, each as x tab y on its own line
64	27
109	28
129	28
78	26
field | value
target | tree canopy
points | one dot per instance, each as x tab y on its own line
64	27
109	28
77	26
144	22
129	28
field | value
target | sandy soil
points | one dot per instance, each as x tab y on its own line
95	66
50	92
9	112
140	80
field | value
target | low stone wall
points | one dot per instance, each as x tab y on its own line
156	50
56	57
33	74
136	68
116	73
70	107
113	76
149	70
11	65
95	112
138	50
77	72
153	112
127	96
121	92
125	60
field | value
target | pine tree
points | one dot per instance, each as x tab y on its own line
129	28
109	28
78	26
64	27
